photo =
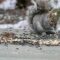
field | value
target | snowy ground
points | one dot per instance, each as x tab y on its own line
8	4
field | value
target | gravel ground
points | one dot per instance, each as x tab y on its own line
17	52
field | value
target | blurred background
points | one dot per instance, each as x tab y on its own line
14	11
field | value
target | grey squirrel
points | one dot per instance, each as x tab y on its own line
42	20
